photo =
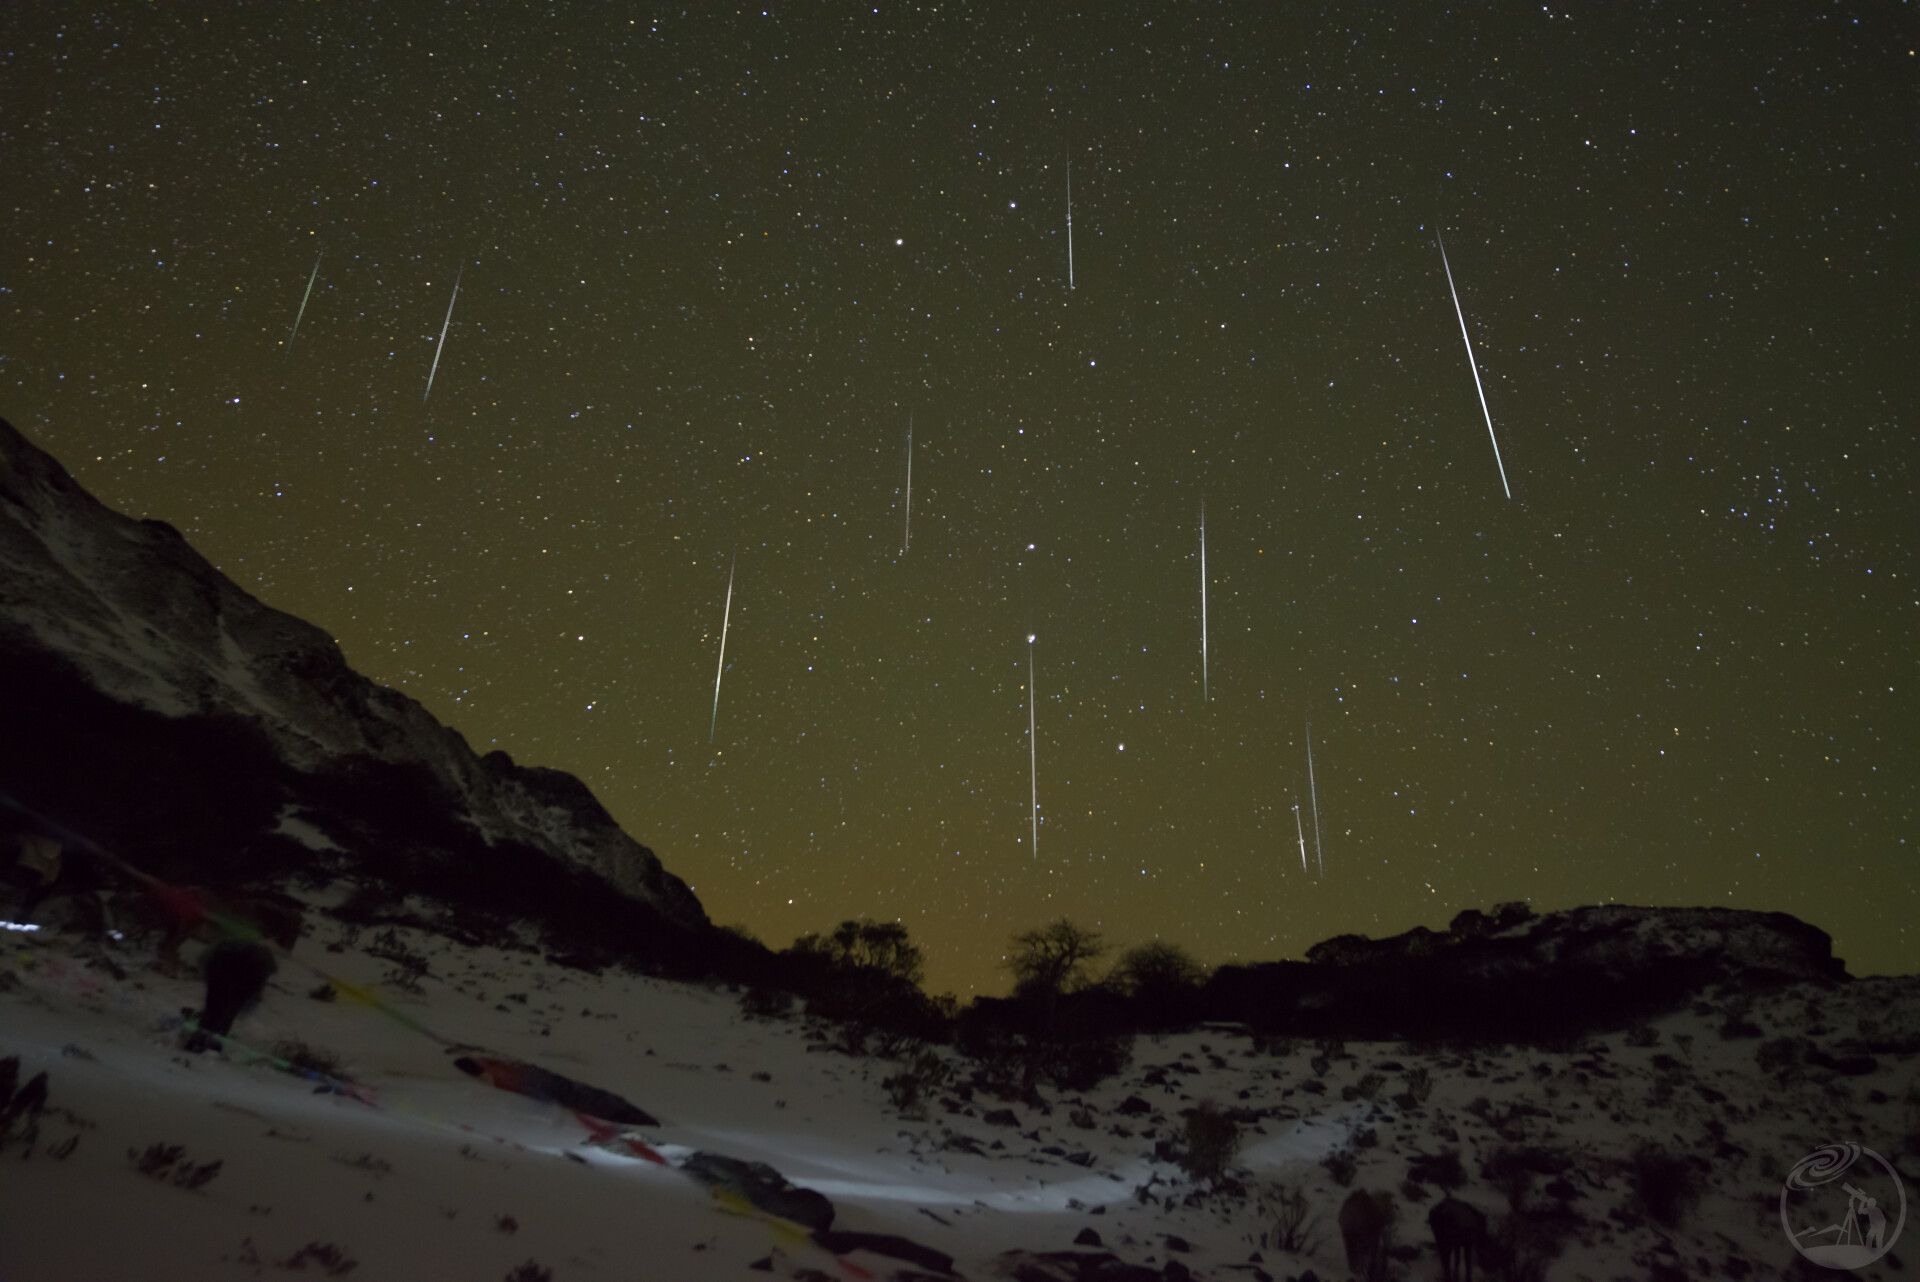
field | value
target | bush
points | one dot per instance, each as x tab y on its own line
1419	1083
864	944
1366	1088
1212	1140
922	1074
1341	1165
1779	1054
1522	1248
310	1058
766	1003
1161	980
1664	1186
1442	1168
531	1271
1286	1209
1082	1063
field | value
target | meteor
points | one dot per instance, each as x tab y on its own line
304	297
1205	696
1033	751
1069	222
1470	363
721	668
1298	831
443	331
1319	853
907	541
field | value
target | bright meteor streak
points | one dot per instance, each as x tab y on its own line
907	540
1069	222
1319	853
1470	363
1299	831
443	333
304	297
721	668
1033	751
1205	695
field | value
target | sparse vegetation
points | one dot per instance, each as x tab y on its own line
167	1163
325	1256
531	1271
409	966
308	1058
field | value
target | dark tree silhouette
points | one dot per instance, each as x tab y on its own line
863	944
1054	959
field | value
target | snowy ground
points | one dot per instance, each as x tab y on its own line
437	1175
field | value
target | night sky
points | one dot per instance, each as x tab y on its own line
711	266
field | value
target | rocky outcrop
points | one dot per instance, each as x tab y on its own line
187	662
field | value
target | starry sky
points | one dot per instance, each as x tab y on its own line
715	267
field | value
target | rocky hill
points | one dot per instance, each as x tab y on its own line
157	708
1513	976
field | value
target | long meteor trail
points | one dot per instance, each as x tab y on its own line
1033	751
1069	222
1319	854
1205	695
721	668
443	332
907	540
1298	831
304	297
1471	364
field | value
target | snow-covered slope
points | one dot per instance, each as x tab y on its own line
146	621
434	1175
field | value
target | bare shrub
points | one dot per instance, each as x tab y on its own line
409	966
1419	1083
1341	1165
167	1163
1285	1208
1212	1140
